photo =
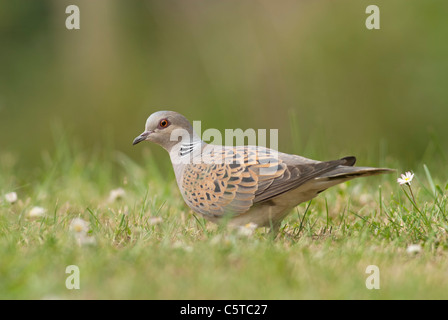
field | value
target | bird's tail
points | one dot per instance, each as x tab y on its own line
347	172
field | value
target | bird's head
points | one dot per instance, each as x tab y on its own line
166	128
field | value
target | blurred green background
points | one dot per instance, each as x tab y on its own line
309	68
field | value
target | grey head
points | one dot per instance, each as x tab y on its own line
167	129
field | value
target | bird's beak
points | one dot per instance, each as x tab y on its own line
141	137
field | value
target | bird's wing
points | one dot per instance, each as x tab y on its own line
298	171
232	179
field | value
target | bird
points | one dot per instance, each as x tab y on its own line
242	185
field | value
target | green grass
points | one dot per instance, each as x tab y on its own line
322	251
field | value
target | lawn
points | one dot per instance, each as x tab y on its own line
143	242
80	207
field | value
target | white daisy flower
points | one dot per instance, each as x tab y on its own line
11	197
80	229
36	212
116	194
247	230
406	178
79	226
414	249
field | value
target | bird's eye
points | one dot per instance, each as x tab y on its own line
164	123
